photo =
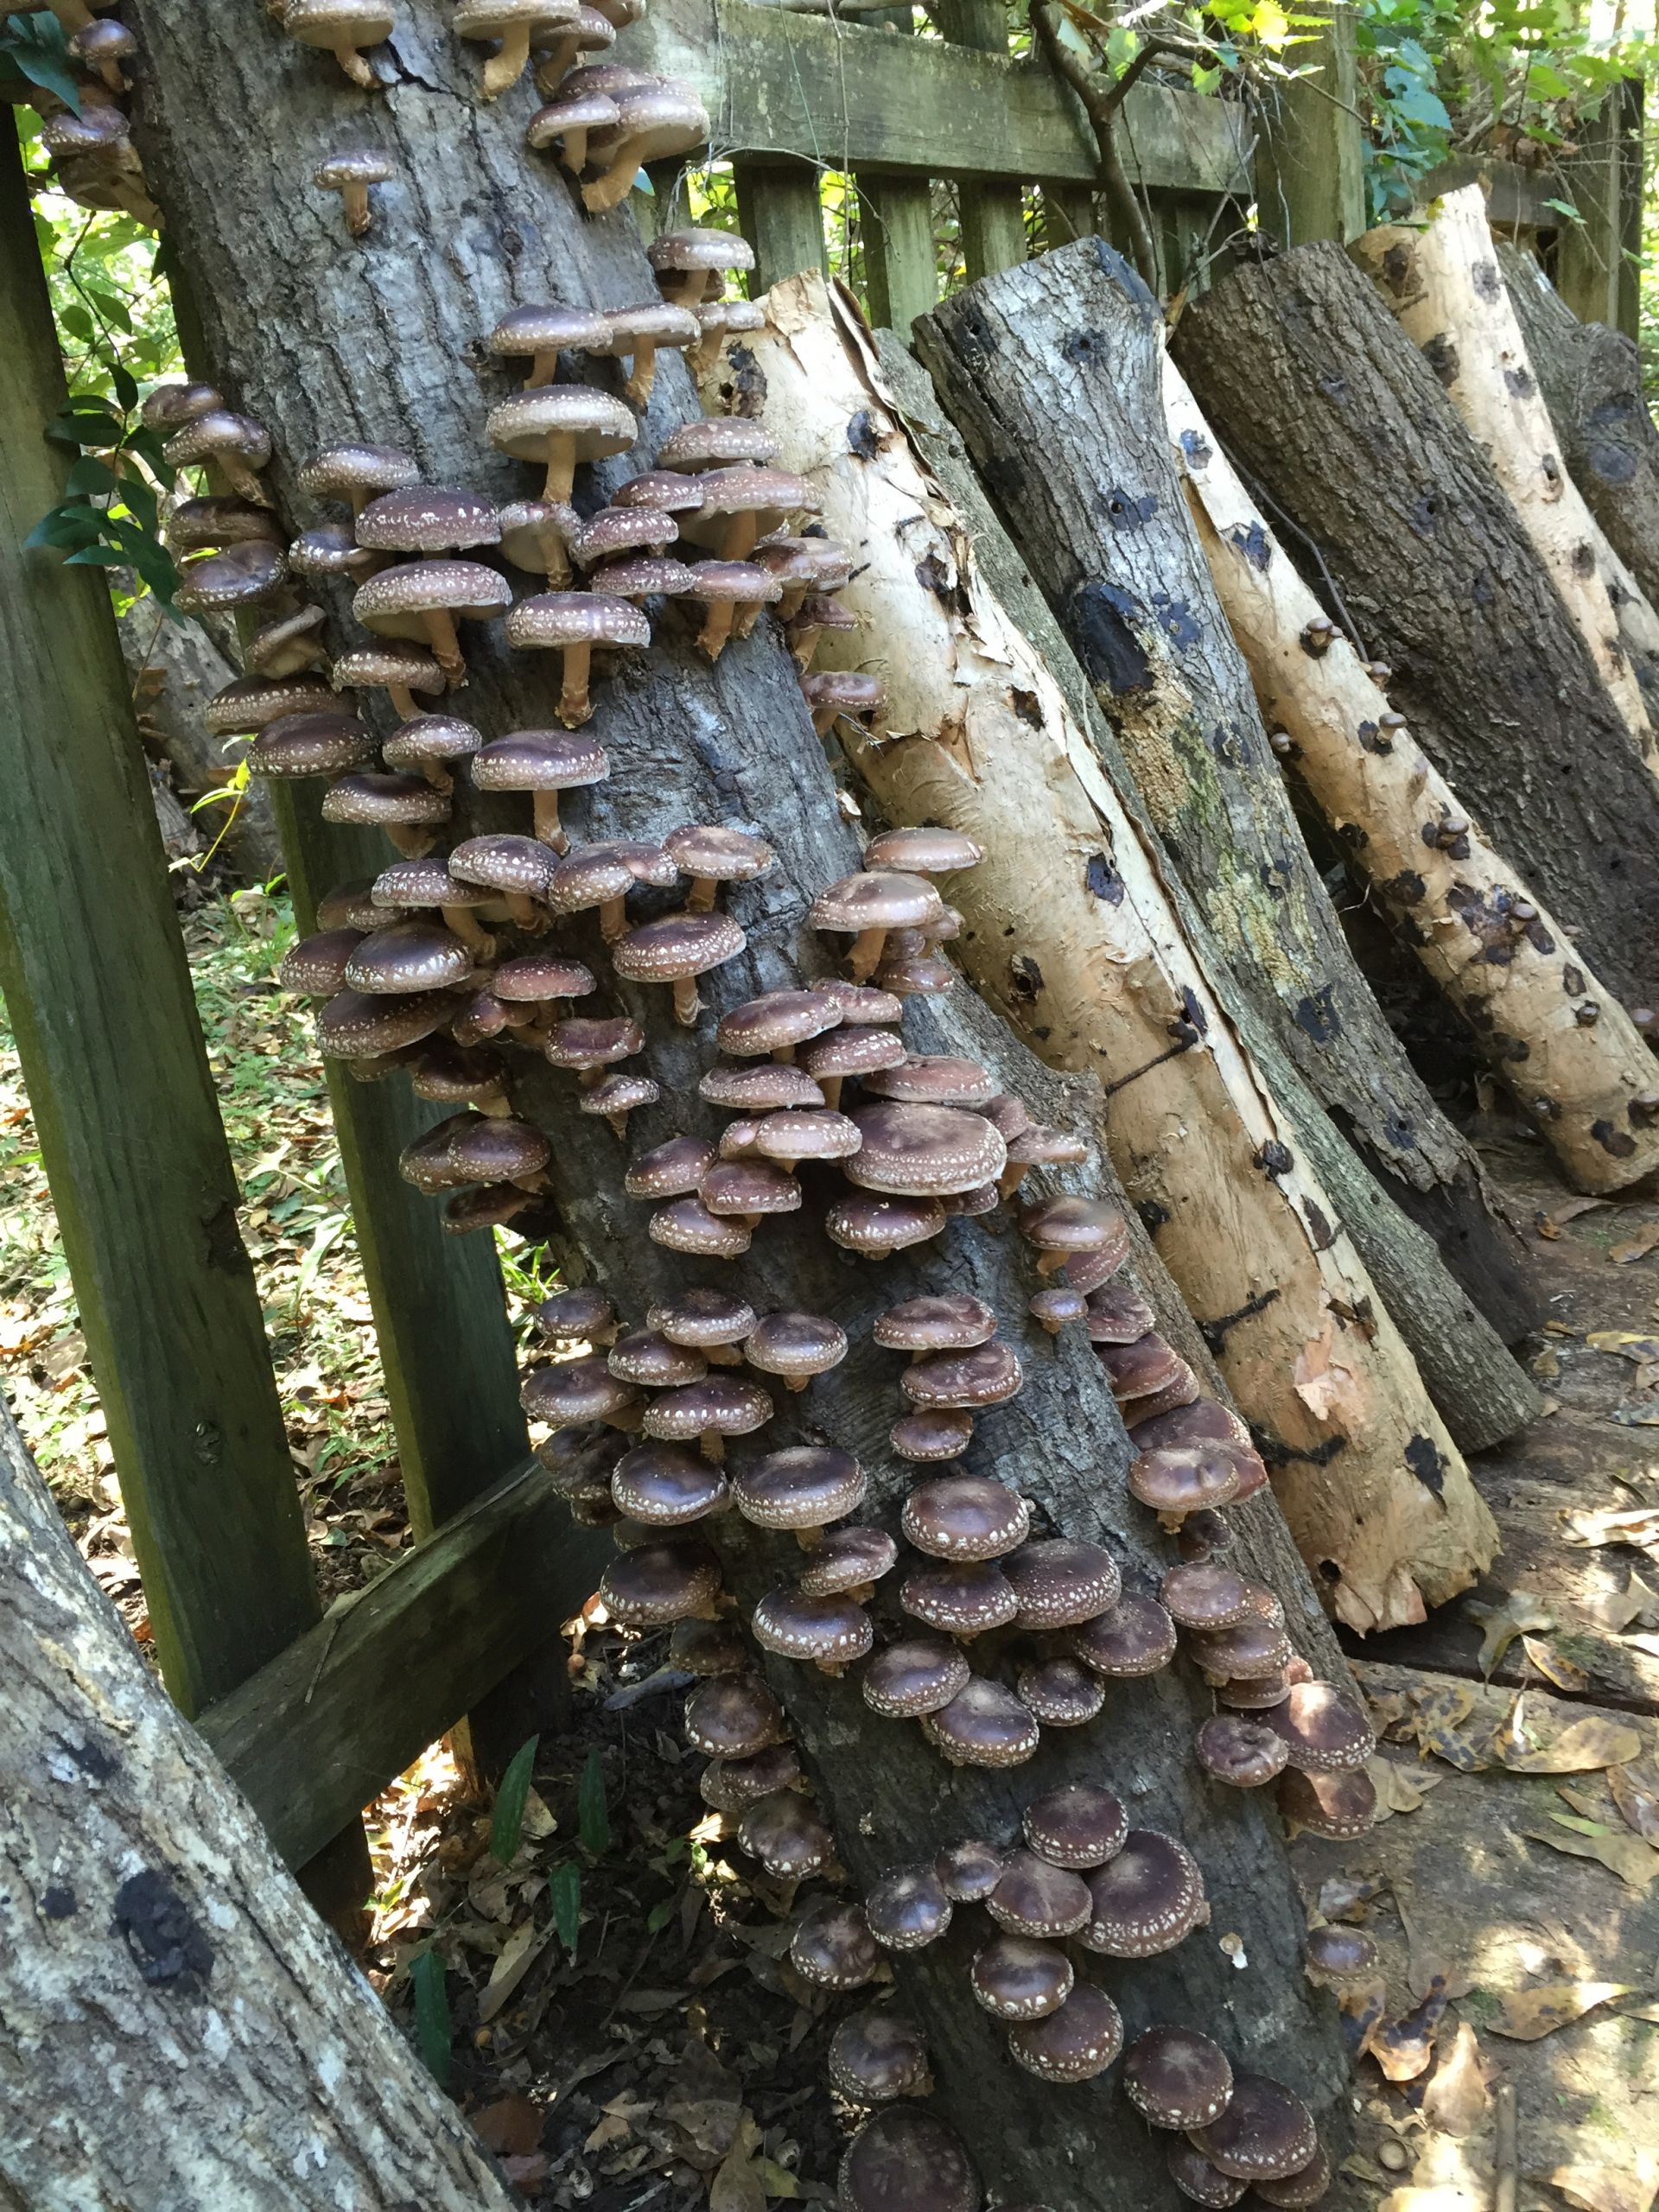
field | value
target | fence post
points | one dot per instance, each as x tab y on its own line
993	215
1310	174
779	207
895	224
1598	259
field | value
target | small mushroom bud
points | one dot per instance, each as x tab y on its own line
876	2056
350	172
344	29
1318	636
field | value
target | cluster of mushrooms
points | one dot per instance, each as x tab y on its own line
93	160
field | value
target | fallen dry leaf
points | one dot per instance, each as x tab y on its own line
1403	2049
1635	1792
1605	2188
516	1956
1551	1225
1525	2015
1555	1666
1529	1745
1400	1789
1634	1247
1519	1613
1457	2097
1618	1609
1624	1344
737	2186
1433	1721
512	2125
1636	1863
1613	1524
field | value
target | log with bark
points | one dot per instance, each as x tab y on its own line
1442	283
327	338
1538	1013
1069	932
1336	418
1052	372
181	2028
1591	377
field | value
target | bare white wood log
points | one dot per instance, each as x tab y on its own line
1558	1037
1070	932
180	2029
1444	285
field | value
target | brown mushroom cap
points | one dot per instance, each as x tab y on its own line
540	760
584	1043
879	1225
1339	1957
385	801
519	866
643	1357
1254	1647
362	1024
1242	1753
1206	1596
670	1170
1305	2187
1322	1731
1080	1826
1200	2181
849	1560
577	1317
906	2160
1074	2043
795	1346
1061	1692
988	1374
1068	1224
963	1601
671	491
1262	2133
730	1784
806	1487
931	1436
858	1048
252	703
1034	1898
733	1717
705	1318
410	956
722	1404
315	967
242	575
933	1079
833	1948
349	907
923	852
709	1647
746	1188
966	1517
984	1725
1148	1897
1138	1370
687	1226
702	255
831	1631
1177	2078
812	1133
914	1677
970	1871
952	1321
665	1488
1117	1315
1177	1480
574	1392
924	1151
1018	1979
1335	1805
879	900
715	442
1136	1637
1060	1582
769	1086
907	1908
676	948
787	1836
656	1584
776	1022
315	743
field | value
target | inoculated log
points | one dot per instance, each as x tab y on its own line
223	117
1538	1013
1052	373
1591	377
1482	1393
1442	285
1069	931
1335	417
159	1959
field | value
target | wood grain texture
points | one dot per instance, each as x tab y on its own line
97	987
323	338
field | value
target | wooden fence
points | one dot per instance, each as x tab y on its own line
313	1713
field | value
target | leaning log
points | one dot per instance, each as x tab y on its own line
1052	371
187	2029
1069	931
1591	377
1334	416
1442	285
482	229
1539	1015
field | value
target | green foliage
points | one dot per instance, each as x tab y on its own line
34	52
507	1820
109	517
564	1894
432	2030
593	1817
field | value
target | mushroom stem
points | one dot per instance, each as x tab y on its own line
722	1355
413	839
440	626
687	1003
619	1122
560	467
240	478
498	1104
73	15
613	919
404	701
356	67
1010	1180
804	647
642	374
809	1539
701	358
712	1444
356	197
614	182
110	72
737	539
548	827
1049	1262
701	900
716	628
866	955
784	1054
574	705
575	157
437	775
523	910
746	616
503	70
796	1381
832	1088
544	368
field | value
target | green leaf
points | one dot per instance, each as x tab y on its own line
593	1818
660	1916
432	2030
77	321
37	48
99	557
67	525
91	478
126	388
564	1894
507	1820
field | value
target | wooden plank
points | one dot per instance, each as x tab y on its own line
1070	211
327	1723
992	215
782	217
1514	197
900	268
1309	163
1597	270
95	977
780	84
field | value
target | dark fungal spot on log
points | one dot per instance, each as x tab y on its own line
1487	282
1081	347
1520	383
1103	880
167	1942
1176	619
1025	977
1423	515
861	436
1273	1158
1583	561
1127	509
1572	980
1612	464
59	1903
1407	886
1254	543
93	1761
1396	267
1196	447
1316	1017
1510	1048
1215	1333
1193	1013
1106	625
1152	1216
973	326
934	575
1482	591
1027	706
1427	1465
1401	1133
1442	357
1126	279
1318	1226
1539	938
1612	1141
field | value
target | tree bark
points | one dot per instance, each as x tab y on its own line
1333	414
381	339
1069	934
1540	1017
1061	358
1591	377
1442	285
1482	1393
179	2027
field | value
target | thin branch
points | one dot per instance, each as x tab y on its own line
1100	105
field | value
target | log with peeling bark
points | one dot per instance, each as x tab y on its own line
1442	285
976	734
1591	377
1538	1013
1334	416
1052	372
230	114
181	2027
